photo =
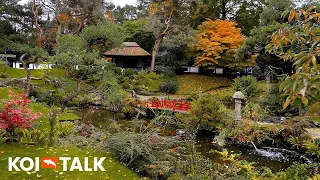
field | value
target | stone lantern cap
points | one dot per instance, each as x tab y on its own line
238	95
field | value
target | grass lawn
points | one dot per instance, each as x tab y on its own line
68	117
4	92
114	169
39	73
192	83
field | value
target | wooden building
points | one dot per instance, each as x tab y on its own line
129	55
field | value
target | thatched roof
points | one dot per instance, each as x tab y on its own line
127	49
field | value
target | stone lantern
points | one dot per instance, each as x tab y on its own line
238	97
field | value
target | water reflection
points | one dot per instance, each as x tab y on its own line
104	119
250	154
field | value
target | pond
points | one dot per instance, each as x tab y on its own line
275	159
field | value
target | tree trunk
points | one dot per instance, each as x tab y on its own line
59	26
159	39
154	53
57	17
224	9
26	68
35	10
69	98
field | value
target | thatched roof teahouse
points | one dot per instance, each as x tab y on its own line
129	55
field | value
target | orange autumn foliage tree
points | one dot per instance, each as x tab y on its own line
217	42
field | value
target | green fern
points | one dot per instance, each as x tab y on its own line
33	136
65	129
295	142
312	148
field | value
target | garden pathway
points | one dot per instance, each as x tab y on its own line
145	98
314	132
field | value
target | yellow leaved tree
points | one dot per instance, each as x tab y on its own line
217	42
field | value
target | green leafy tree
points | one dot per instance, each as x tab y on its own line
273	10
82	65
176	50
103	37
253	49
137	31
30	55
161	13
142	8
77	14
247	16
13	15
299	43
126	13
244	12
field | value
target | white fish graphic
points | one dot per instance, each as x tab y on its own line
50	162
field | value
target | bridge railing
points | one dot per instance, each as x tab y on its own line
174	105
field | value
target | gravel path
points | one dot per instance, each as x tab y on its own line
314	132
145	98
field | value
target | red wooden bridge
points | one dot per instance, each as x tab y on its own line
171	105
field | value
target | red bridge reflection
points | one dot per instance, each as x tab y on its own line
173	105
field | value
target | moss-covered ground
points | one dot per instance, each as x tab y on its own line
21	73
192	83
114	169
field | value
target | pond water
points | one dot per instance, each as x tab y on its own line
280	159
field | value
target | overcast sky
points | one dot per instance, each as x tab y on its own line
116	2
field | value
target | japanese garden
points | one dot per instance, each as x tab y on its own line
160	89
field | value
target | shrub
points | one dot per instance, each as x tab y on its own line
225	96
77	141
248	85
147	80
164	69
142	151
3	75
117	70
113	98
259	73
65	129
136	88
254	112
50	98
129	72
33	136
313	148
207	113
125	86
273	102
169	86
122	80
16	114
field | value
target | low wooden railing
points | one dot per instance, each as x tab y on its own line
173	105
